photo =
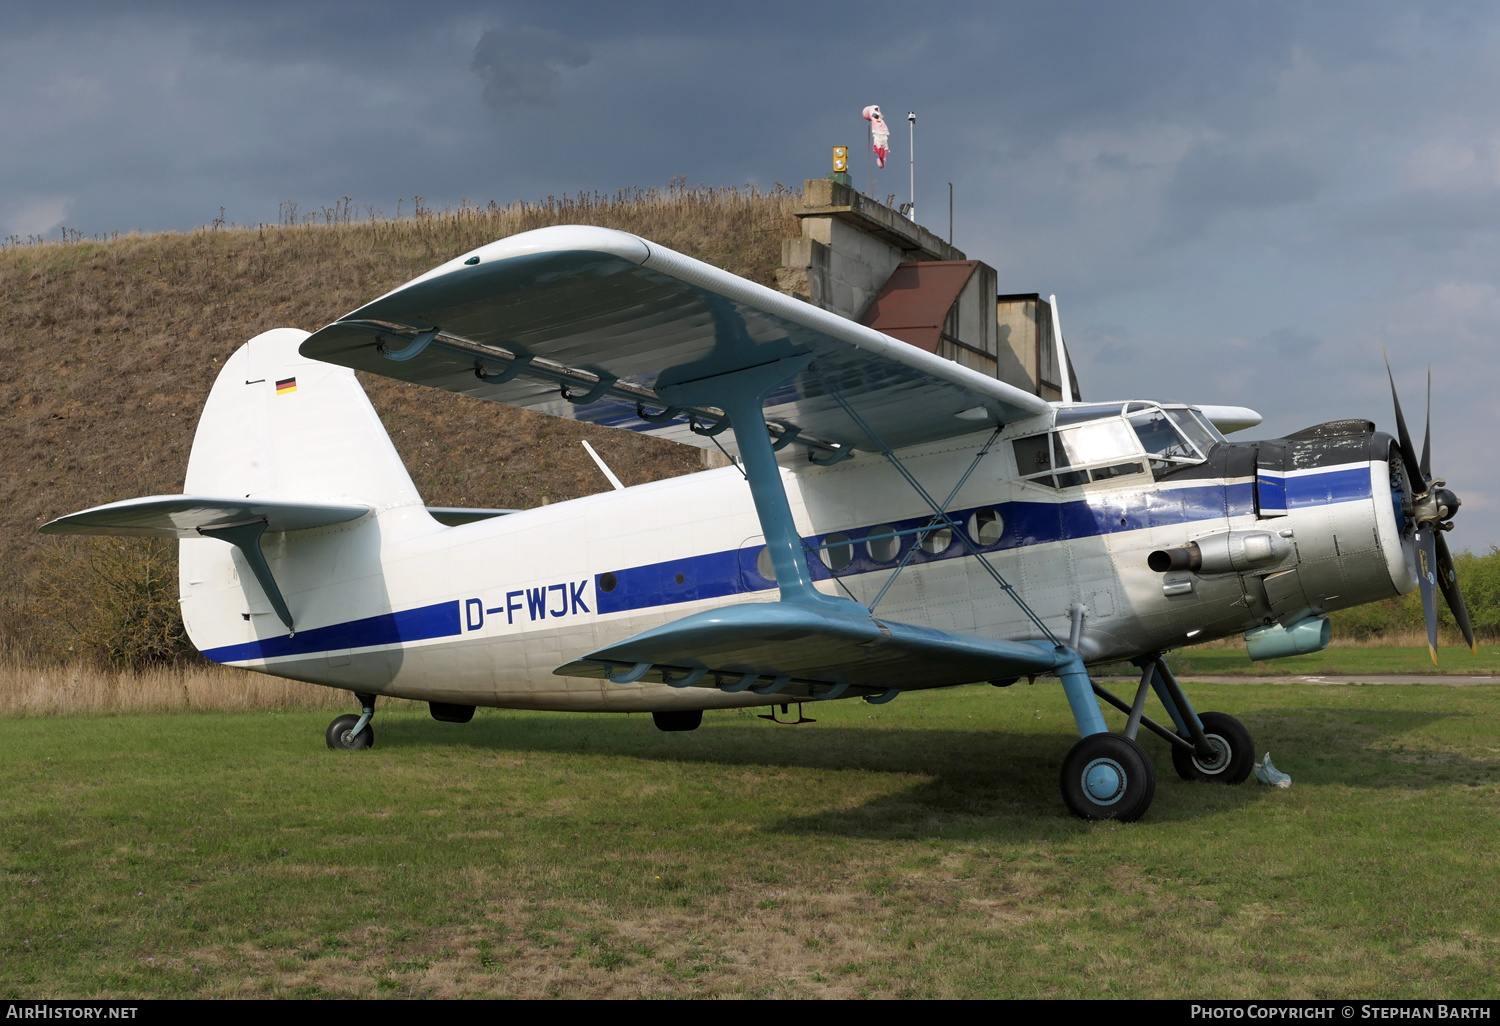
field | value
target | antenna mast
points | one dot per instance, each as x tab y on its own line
911	163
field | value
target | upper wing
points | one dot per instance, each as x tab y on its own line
578	322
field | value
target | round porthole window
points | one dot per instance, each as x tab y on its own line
985	527
763	565
838	551
883	543
607	582
936	537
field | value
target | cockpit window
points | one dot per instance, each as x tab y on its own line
1095	450
1033	455
1101	441
1162	440
1078	414
1191	426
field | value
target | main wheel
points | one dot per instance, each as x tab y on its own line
1235	754
1108	776
340	734
678	719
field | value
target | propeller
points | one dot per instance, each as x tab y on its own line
1433	505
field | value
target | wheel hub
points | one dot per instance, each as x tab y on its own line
1221	755
1104	781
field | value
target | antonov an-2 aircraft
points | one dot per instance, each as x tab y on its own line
893	521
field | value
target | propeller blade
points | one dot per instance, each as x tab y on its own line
1408	451
1425	464
1447	581
1427	581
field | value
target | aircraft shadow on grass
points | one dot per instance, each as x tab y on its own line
975	783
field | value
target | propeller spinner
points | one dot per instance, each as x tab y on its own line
1433	505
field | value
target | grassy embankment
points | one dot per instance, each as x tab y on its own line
108	350
918	849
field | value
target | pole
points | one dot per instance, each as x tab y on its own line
911	163
950	213
1062	354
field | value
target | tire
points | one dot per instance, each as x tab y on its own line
678	719
338	735
1233	741
1125	767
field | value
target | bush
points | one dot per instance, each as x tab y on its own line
114	600
1478	578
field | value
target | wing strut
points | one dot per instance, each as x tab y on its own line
741	393
941	512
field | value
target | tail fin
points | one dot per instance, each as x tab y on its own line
278	426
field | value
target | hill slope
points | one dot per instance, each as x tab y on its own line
108	349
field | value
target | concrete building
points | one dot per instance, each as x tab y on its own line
863	260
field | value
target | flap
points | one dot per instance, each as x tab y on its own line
182	516
598	315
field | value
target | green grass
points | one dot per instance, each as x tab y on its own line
1373	660
916	849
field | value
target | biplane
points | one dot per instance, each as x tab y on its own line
889	521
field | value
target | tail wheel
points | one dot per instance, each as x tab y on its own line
341	734
1234	752
1108	776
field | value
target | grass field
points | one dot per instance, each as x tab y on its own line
915	849
1354	659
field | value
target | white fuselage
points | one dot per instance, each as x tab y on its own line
397	604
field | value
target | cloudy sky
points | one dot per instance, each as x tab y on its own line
1234	203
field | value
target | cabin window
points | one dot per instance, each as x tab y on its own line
936	536
986	527
838	551
883	543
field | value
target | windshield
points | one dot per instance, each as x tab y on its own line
1161	439
1191	426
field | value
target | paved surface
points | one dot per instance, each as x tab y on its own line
1452	680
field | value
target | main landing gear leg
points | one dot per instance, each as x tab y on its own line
1104	776
1221	747
354	732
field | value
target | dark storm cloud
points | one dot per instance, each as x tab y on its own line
1253	198
1214	180
522	67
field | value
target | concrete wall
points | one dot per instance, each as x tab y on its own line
850	244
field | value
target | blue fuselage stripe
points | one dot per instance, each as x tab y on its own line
436	621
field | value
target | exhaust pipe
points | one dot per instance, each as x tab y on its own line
1234	551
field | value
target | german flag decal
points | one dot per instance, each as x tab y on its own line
286	385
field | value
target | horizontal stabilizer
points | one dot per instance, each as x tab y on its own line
188	516
457	516
810	651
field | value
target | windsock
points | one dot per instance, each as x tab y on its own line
880	134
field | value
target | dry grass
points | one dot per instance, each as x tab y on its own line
108	349
30	688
